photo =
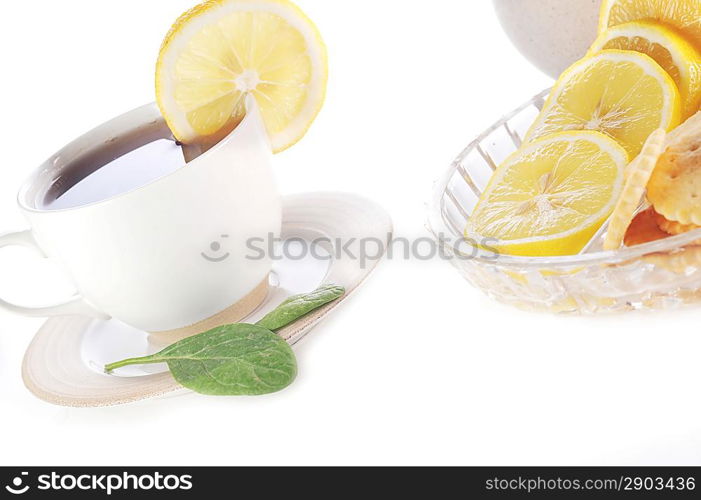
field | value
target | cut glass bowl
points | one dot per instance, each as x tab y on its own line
657	275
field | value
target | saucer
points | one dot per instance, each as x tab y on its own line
64	363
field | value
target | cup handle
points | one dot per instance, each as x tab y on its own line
74	306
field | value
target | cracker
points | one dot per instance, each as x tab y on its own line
674	228
644	229
637	176
675	186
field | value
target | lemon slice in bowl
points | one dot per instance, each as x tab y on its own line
679	58
222	51
550	197
623	94
682	15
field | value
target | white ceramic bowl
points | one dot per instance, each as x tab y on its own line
552	34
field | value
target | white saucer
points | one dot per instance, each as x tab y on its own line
64	363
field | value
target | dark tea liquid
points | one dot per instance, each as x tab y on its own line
126	173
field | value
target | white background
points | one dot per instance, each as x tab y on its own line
417	368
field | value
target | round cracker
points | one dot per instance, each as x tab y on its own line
675	186
673	228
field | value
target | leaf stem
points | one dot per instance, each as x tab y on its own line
147	360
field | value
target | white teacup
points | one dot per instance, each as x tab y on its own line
170	255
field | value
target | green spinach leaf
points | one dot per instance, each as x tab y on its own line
233	360
241	359
299	306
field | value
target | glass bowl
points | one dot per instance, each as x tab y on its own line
657	275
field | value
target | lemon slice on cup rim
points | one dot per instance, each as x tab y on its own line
550	197
222	51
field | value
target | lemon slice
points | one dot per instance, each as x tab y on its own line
683	15
678	58
623	94
224	50
550	197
